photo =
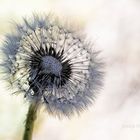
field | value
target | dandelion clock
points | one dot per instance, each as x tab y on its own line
52	65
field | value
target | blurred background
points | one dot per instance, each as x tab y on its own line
114	27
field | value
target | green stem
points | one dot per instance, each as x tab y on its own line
31	117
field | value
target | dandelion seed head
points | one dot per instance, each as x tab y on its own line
52	65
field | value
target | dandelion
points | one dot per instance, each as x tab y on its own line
51	64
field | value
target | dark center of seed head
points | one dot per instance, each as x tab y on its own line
51	65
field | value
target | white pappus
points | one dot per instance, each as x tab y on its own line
52	64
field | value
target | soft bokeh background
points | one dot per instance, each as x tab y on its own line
114	27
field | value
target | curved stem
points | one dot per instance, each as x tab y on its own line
31	117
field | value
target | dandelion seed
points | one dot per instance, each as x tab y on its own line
52	65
